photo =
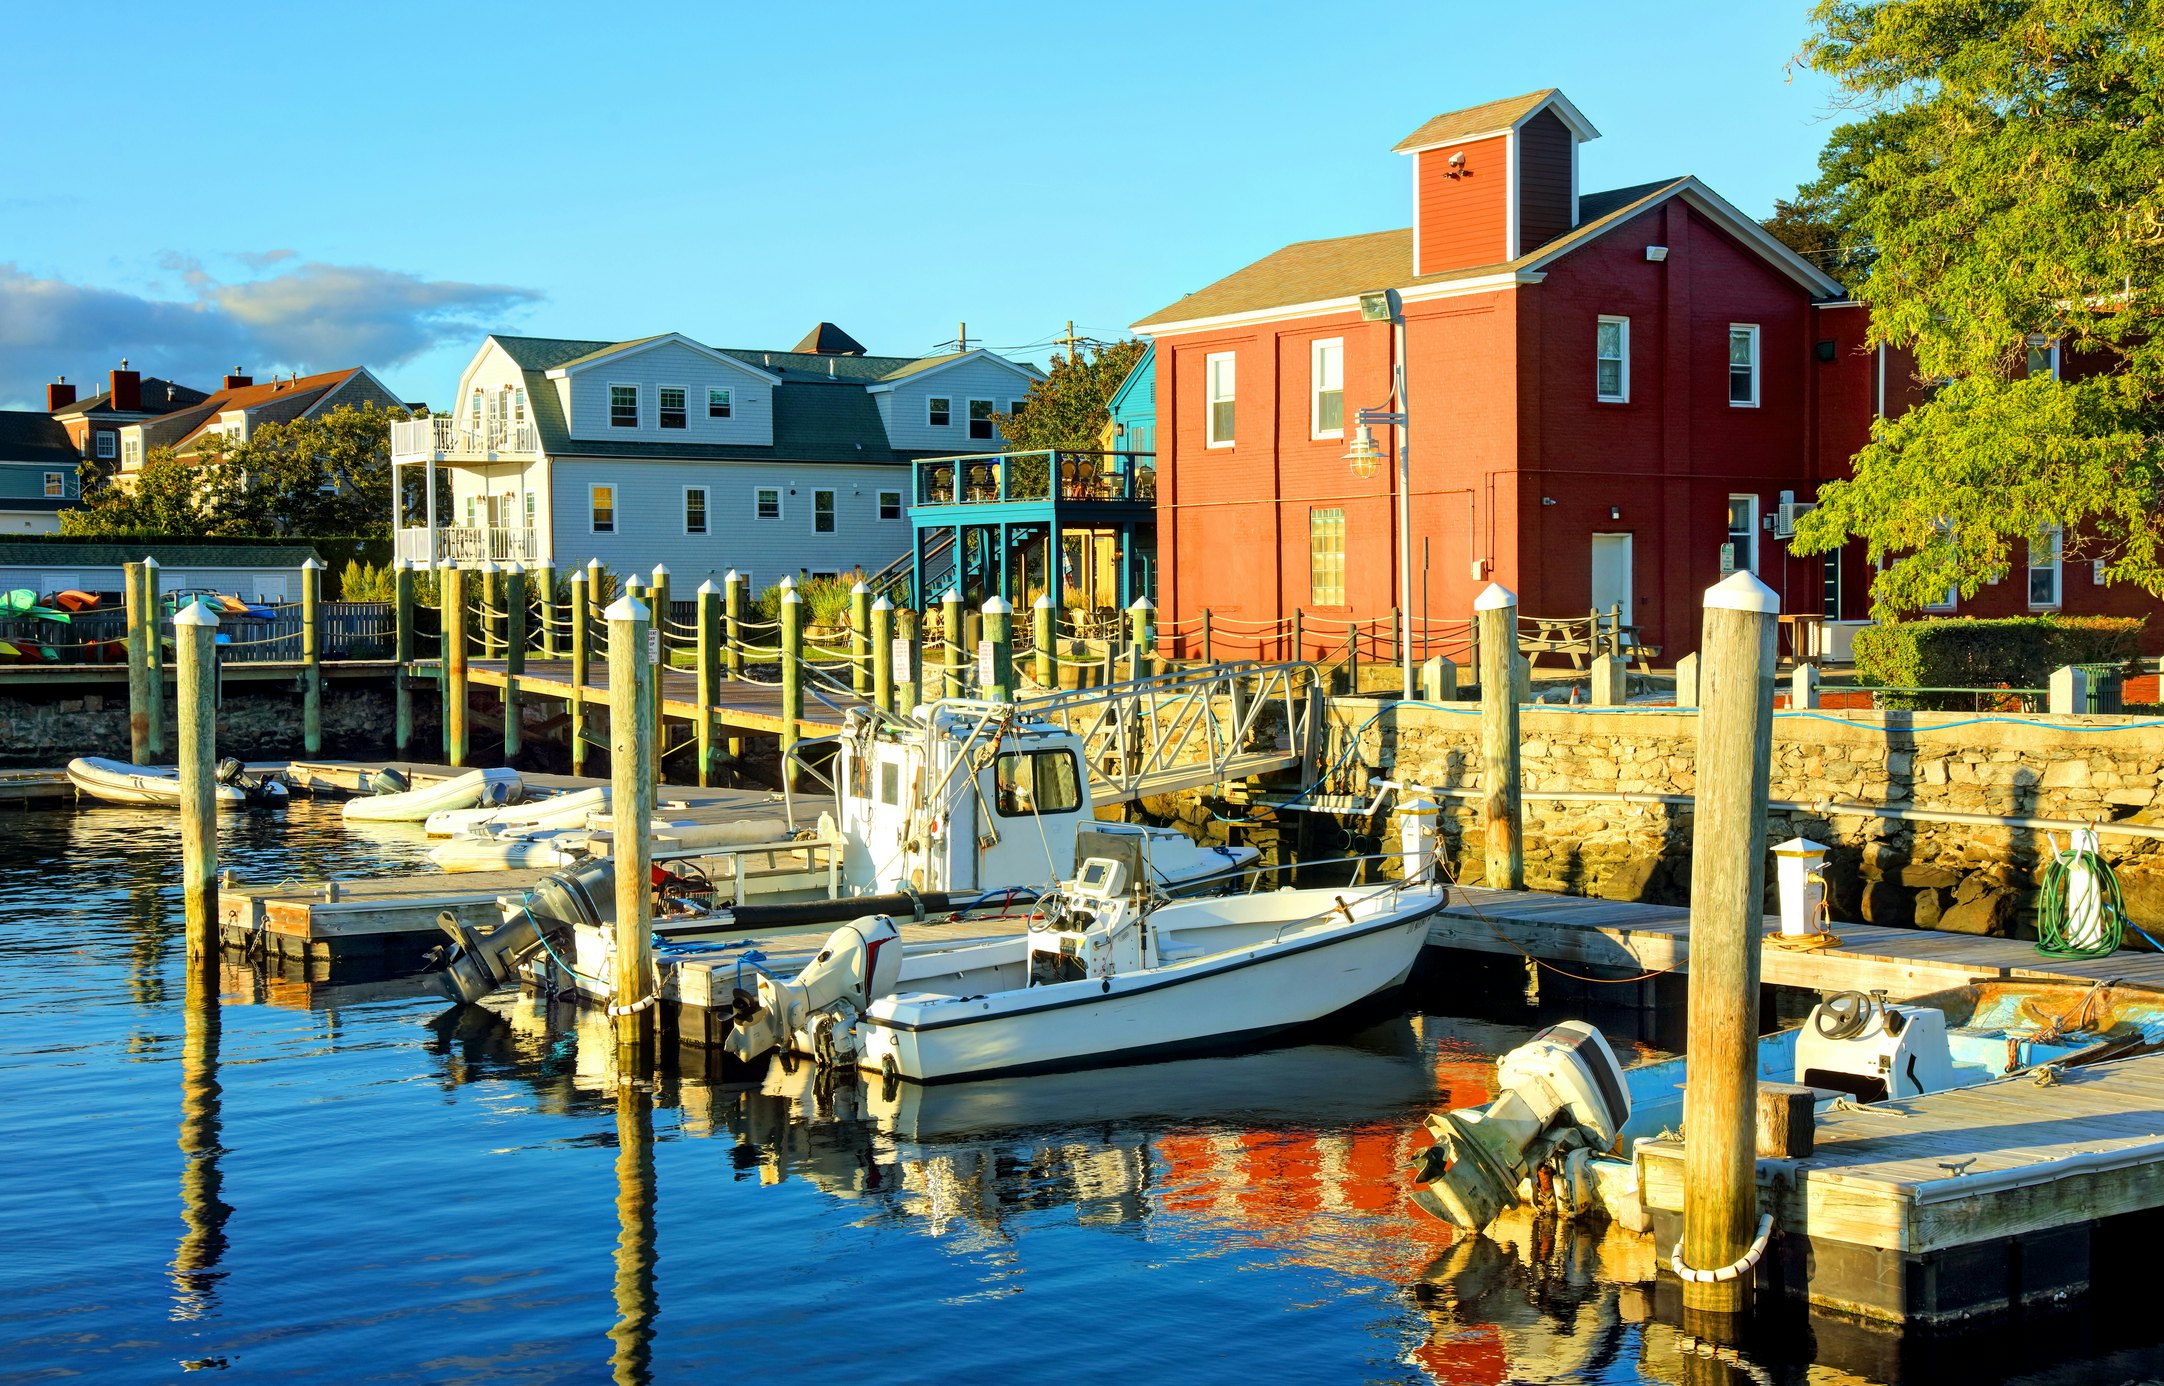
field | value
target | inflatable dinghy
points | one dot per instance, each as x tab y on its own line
478	787
555	811
117	782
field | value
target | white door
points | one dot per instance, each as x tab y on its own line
1612	574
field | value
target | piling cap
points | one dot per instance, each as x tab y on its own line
314	564
951	596
1800	847
627	609
1742	591
1140	604
488	565
1044	599
660	572
594	562
708	589
997	606
882	605
732	576
788	594
150	563
1493	597
195	613
860	587
787	584
514	566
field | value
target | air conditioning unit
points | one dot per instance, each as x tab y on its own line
1784	524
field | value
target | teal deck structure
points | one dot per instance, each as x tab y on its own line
991	524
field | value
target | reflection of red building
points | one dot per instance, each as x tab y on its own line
1613	394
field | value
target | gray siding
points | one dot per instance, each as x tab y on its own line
751	418
903	407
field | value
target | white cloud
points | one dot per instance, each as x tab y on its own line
311	317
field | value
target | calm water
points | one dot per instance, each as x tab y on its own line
309	1180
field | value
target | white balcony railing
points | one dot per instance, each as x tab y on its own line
450	439
468	544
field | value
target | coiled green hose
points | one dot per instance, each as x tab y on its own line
2051	907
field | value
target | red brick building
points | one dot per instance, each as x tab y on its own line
1612	394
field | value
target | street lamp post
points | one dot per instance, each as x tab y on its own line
1366	456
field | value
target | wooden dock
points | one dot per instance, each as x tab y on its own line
1961	1203
742	704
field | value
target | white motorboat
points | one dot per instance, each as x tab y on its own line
476	787
118	782
1102	977
550	811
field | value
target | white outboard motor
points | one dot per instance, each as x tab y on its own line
816	1011
1560	1094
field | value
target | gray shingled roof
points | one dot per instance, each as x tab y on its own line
154	399
32	435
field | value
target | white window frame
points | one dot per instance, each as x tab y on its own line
474	417
1014	406
1621	395
56	485
834	517
660	412
1315	391
1745	562
900	512
518	406
1757	365
706	511
727	401
2096	571
969	416
108	444
593	517
2051	353
1210	399
945	411
780	505
2057	568
532	505
131	452
638	415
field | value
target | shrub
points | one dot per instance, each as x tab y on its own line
366	582
1968	652
825	600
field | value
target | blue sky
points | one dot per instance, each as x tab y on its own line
305	187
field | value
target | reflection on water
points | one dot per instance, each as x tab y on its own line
373	1185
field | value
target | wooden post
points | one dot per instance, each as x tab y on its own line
487	601
1299	641
1142	635
657	654
950	617
1043	617
860	640
999	634
154	657
454	665
195	635
1687	681
312	656
514	654
909	661
1495	610
544	587
1352	656
631	812
1209	655
142	629
582	659
708	676
732	611
402	651
1728	888
792	666
1615	629
883	654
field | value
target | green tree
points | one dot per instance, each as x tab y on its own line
1069	408
166	498
2009	181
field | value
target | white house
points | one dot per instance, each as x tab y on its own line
665	450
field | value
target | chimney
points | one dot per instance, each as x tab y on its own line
237	381
127	389
59	395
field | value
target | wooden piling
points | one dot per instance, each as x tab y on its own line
1142	638
708	676
581	621
732	612
999	635
154	657
487	593
514	654
1043	623
195	635
657	652
792	665
883	655
1728	886
141	631
1495	611
312	656
1299	642
544	588
908	659
402	654
860	640
453	597
950	629
631	811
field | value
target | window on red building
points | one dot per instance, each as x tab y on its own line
2044	568
1328	419
1742	534
1612	360
1743	365
1218	382
1326	557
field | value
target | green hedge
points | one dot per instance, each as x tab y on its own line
1969	652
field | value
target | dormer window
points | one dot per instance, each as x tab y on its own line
105	443
673	414
938	411
623	406
980	419
719	401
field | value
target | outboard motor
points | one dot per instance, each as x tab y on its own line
480	962
387	781
230	770
1561	1093
816	1011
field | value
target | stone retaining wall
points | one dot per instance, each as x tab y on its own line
1976	879
255	722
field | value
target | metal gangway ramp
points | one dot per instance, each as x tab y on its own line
1187	727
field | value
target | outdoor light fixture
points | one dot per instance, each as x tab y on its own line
1366	454
1615	512
1375	307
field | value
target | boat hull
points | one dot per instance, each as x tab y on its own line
1217	1001
151	786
